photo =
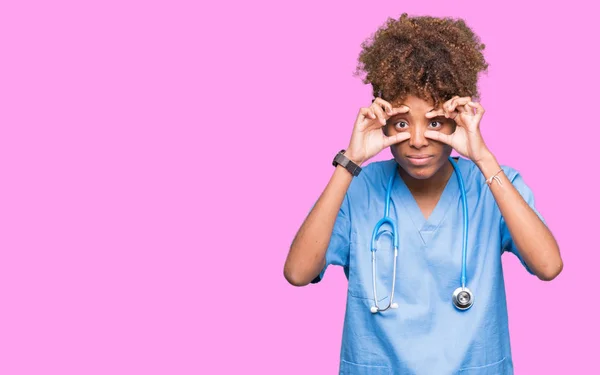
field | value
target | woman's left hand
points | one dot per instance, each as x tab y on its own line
466	139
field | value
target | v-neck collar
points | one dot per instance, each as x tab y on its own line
425	227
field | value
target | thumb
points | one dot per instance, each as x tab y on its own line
437	136
396	138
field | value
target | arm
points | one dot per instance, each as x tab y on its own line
306	257
536	245
534	240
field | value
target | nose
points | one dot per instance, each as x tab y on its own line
417	137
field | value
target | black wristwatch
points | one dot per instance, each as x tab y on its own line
342	160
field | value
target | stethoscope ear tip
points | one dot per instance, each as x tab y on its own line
394	305
374	309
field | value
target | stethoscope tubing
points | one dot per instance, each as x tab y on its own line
392	223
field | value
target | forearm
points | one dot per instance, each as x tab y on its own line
534	240
306	257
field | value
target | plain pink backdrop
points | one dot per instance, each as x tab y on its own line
157	158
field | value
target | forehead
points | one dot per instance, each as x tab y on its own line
415	104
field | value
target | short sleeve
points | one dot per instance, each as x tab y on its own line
338	249
507	241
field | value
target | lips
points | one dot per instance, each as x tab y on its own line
419	159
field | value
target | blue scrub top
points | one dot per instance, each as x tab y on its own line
426	334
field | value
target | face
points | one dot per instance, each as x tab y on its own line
420	157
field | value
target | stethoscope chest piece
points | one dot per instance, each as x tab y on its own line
462	298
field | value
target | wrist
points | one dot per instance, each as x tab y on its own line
356	159
488	165
486	158
341	159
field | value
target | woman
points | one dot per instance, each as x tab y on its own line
439	306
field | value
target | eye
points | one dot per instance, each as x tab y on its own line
401	125
436	124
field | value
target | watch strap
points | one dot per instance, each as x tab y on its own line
341	159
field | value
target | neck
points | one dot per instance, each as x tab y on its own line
429	186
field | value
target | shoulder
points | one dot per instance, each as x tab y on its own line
377	169
374	172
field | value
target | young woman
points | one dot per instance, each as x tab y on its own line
420	236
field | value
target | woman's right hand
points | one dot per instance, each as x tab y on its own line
368	138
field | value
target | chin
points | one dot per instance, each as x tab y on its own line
420	172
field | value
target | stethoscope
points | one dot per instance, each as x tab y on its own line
462	296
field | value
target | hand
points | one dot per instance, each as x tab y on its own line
368	138
466	139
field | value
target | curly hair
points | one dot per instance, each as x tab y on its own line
428	57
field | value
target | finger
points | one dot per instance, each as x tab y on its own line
387	107
399	110
365	113
381	116
436	113
479	108
396	138
468	109
373	121
459	104
438	136
449	106
395	111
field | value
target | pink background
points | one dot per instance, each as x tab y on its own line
157	158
